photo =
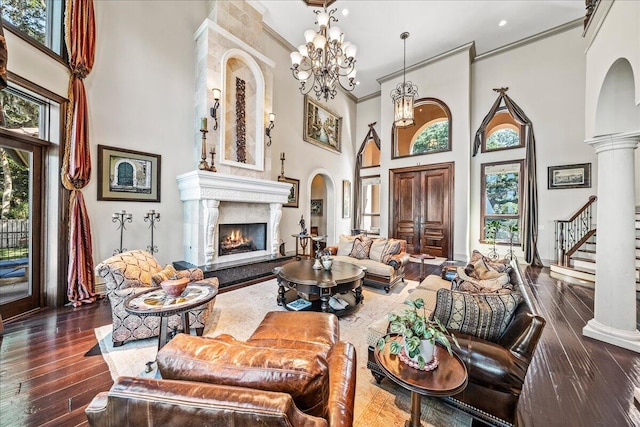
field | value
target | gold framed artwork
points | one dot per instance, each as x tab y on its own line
293	194
346	199
128	175
322	127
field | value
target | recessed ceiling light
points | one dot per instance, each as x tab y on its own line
345	12
358	82
502	23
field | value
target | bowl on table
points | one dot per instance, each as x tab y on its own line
174	287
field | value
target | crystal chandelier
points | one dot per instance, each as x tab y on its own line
403	95
325	58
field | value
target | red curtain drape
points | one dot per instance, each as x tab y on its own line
3	65
76	168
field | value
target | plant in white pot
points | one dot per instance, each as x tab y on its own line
419	333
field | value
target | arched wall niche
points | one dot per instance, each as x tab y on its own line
237	64
616	111
329	205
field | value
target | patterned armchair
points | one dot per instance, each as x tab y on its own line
132	272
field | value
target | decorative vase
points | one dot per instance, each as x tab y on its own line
326	263
317	265
427	350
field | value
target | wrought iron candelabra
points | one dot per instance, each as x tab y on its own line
153	217
121	218
281	177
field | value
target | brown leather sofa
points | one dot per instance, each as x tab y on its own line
497	370
292	371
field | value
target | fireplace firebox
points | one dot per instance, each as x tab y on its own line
240	238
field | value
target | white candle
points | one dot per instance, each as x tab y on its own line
203	123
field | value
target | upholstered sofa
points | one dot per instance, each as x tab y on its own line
283	375
384	259
497	368
132	272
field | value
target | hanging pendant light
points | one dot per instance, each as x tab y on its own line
325	59
403	95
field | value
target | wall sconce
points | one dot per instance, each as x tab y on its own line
214	110
272	119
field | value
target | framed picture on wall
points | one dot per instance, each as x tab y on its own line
569	176
127	175
321	126
346	199
293	194
316	207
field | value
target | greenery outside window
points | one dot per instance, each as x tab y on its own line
503	133
501	199
25	112
39	22
370	202
430	134
433	136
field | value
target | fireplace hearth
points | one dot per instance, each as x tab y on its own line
241	238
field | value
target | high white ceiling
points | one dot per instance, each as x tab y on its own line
435	27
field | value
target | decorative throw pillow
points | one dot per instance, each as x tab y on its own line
377	249
303	374
168	272
484	316
393	247
499	265
345	244
484	285
361	248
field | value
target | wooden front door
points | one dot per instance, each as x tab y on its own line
422	208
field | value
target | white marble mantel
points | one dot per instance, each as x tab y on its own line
201	193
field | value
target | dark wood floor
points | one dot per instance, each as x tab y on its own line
50	369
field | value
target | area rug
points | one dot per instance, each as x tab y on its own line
376	405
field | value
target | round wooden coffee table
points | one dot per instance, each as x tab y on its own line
449	378
156	302
298	280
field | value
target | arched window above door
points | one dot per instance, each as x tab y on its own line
430	134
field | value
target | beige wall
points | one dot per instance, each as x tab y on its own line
546	79
305	160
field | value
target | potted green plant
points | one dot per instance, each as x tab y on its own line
419	333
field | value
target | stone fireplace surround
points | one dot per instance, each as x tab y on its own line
210	198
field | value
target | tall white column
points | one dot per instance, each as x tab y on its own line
614	319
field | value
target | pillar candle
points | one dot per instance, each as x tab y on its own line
203	123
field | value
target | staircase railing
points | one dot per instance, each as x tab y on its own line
572	233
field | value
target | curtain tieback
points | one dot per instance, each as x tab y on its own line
80	71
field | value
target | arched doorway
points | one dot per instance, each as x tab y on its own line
322	205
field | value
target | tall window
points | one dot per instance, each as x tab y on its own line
39	21
32	127
370	195
501	200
